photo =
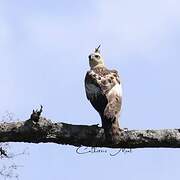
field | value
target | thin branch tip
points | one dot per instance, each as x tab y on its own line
36	114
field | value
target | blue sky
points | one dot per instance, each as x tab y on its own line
44	47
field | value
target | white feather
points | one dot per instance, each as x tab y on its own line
116	90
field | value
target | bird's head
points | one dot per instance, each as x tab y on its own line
95	58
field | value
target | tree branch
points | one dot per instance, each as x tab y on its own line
44	131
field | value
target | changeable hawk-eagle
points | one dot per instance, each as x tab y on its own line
104	91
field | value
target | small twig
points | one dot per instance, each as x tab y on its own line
3	152
36	114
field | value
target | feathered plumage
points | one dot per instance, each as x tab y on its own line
103	90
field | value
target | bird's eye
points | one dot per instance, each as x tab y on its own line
97	56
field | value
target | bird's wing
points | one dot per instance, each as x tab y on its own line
100	86
91	85
94	92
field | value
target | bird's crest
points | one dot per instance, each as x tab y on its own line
97	49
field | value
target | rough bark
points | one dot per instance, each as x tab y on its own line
44	131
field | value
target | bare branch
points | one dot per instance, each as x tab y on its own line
8	172
45	131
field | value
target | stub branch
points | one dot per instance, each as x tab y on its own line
44	131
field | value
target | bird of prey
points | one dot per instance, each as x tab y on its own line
104	91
